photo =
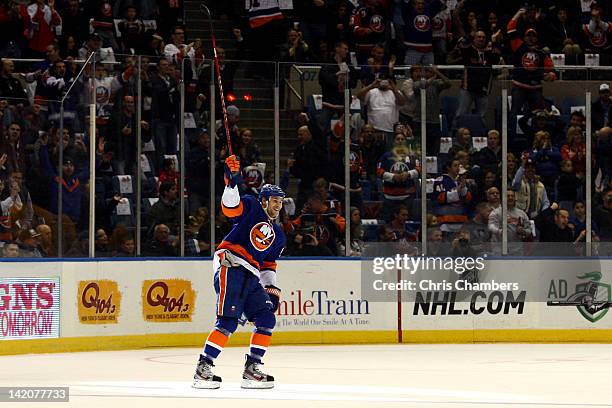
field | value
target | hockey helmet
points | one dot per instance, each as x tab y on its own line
271	190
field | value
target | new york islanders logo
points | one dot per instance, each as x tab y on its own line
354	161
437	23
377	23
422	23
530	60
102	94
262	236
399	167
599	39
253	176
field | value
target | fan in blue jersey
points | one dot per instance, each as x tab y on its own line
452	195
245	277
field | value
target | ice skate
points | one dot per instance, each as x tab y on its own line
253	378
204	377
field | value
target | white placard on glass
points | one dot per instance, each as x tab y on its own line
144	164
578	109
558	59
148	146
479	142
431	164
591	60
123	208
445	144
125	184
429	185
190	122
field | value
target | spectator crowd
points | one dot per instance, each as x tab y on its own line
386	53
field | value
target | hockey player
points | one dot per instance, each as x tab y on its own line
245	278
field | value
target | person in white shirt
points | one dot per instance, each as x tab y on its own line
519	226
176	50
408	111
382	99
94	44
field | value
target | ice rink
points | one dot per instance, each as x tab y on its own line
453	376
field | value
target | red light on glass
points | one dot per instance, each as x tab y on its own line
248	97
231	97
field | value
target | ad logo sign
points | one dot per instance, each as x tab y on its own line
99	302
597	291
29	308
592	297
167	300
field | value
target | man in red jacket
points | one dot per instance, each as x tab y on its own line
41	24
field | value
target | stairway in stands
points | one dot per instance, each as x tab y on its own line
258	114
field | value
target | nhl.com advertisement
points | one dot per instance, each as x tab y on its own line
483	286
441	285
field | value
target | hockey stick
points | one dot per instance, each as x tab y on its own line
591	306
578	303
217	68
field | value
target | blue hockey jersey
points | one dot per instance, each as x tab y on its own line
397	161
418	32
254	240
450	203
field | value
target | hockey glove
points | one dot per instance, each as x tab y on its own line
274	294
232	171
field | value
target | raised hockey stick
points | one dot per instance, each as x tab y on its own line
590	305
217	68
578	303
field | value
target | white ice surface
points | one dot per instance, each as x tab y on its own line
437	376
